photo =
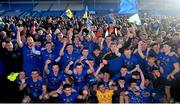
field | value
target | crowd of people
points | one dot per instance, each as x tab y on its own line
94	60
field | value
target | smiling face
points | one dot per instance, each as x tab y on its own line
127	53
30	41
124	71
68	91
9	46
166	48
102	88
48	46
55	68
35	75
85	52
79	68
69	49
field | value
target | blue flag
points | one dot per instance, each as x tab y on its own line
128	7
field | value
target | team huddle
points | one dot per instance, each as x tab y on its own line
91	61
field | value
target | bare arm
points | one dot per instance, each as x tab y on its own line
22	85
142	78
84	96
91	68
140	50
99	68
18	37
67	70
174	72
46	66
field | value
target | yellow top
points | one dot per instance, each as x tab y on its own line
105	97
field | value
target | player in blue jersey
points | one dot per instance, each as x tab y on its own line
84	57
68	96
54	78
155	50
67	55
77	44
148	90
158	82
36	87
49	52
170	67
135	91
79	74
129	60
150	65
123	73
141	53
29	53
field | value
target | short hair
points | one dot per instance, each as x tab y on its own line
78	64
66	86
100	83
48	43
132	80
55	63
153	44
8	42
106	72
122	78
168	43
68	45
29	36
35	70
150	56
176	34
113	43
124	67
96	48
85	48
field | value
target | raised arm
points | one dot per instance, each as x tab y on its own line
140	50
67	70
18	37
61	53
46	66
84	96
91	68
22	85
99	68
142	78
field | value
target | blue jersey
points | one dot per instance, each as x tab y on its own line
84	60
147	94
76	49
153	53
147	71
105	48
54	82
68	99
134	98
29	59
141	61
130	63
66	58
57	42
35	88
166	62
49	55
89	44
127	78
106	84
39	60
115	65
80	80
